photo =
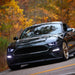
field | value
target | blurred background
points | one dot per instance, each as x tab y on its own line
16	15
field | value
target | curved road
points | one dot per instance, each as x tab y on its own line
55	67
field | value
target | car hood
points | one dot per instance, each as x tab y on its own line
40	40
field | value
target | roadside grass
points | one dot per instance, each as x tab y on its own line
3	48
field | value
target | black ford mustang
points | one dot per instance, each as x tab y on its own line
41	42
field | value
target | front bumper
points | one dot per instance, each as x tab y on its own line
35	57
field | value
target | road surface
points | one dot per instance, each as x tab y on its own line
55	67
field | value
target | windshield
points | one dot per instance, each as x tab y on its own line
41	30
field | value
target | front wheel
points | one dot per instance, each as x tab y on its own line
65	51
74	55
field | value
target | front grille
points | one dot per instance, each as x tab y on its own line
30	50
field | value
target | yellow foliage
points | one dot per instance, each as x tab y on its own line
12	16
53	6
12	3
16	26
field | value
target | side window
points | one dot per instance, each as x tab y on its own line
65	27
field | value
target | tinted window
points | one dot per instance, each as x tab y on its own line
41	30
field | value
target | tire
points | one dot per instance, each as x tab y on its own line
65	51
74	55
15	67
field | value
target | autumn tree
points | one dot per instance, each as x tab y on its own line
12	18
67	11
40	10
49	10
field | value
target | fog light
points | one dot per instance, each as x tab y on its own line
57	49
9	56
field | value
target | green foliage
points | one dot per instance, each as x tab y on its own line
3	45
6	28
3	48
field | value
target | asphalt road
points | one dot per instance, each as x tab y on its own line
55	67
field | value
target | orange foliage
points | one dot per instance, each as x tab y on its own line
2	2
69	1
0	34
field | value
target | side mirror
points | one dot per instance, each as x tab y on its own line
15	38
69	29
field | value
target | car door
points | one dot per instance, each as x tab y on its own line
73	34
73	40
69	38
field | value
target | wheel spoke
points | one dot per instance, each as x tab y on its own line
65	50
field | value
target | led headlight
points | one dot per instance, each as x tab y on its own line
10	50
9	56
52	43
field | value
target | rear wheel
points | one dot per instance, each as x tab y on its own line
14	67
65	51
